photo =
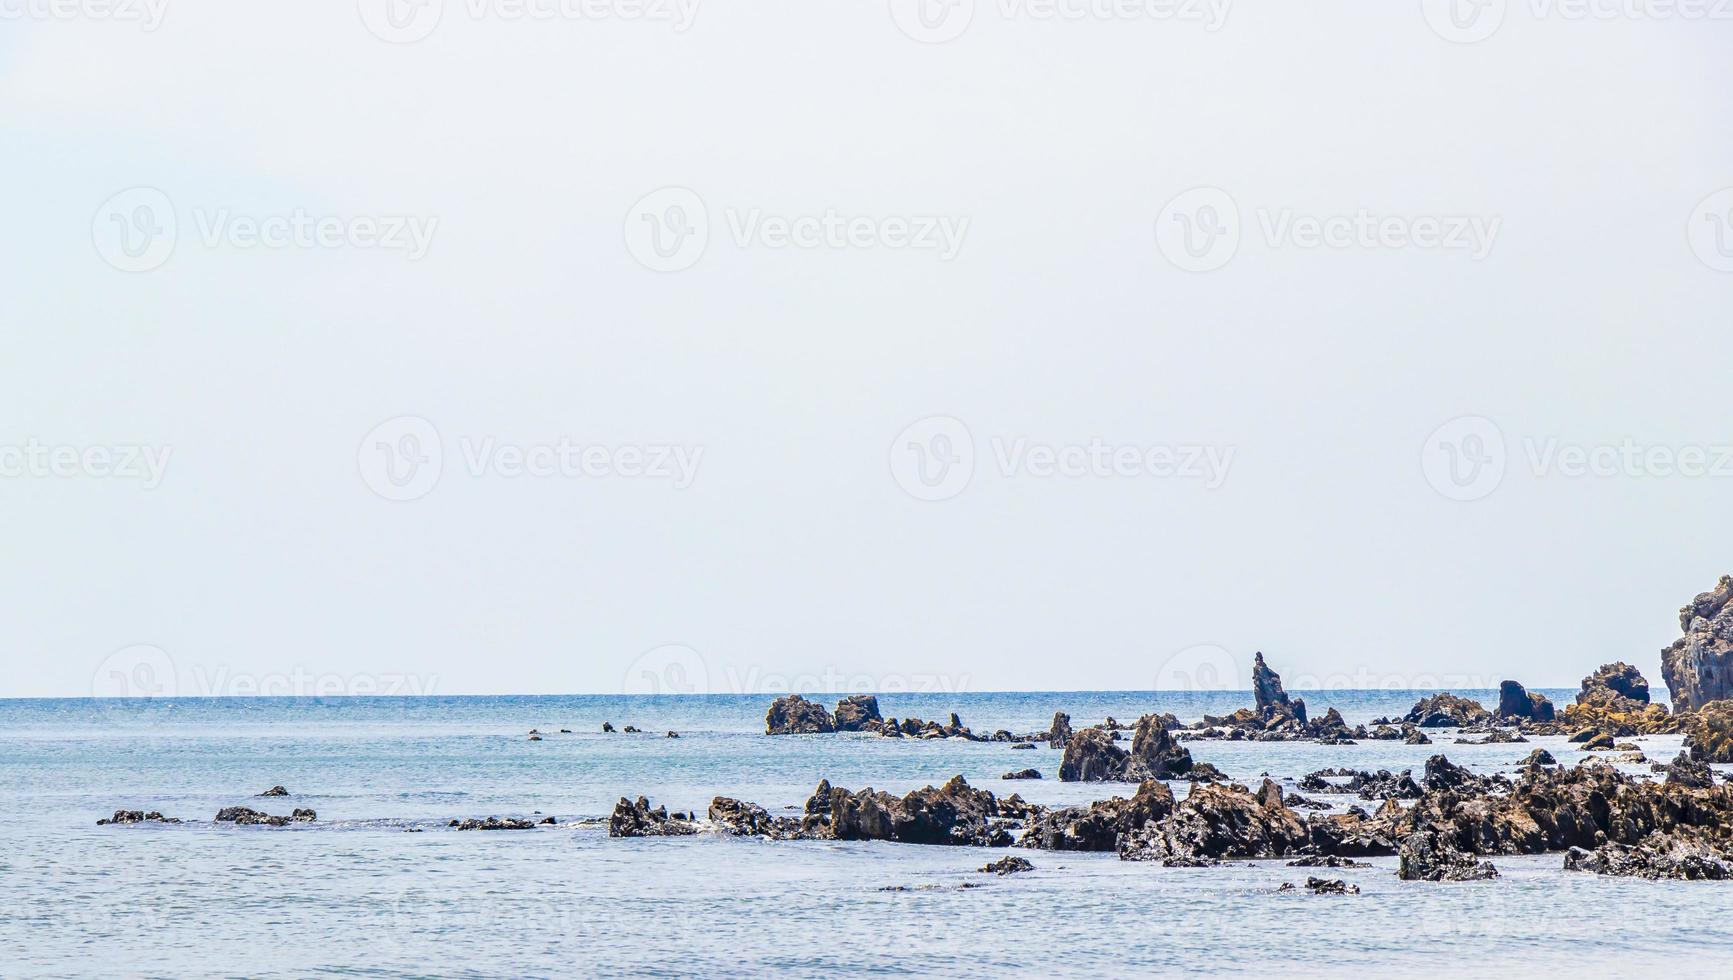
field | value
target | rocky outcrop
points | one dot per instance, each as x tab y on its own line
1709	732
1008	866
1688	772
1540	757
1271	700
1059	736
1331	886
916	728
1432	856
124	817
275	791
857	713
1216	821
634	818
795	715
1612	683
1517	702
1446	710
499	823
1698	667
1023	774
245	816
1662	856
1098	826
955	813
1093	756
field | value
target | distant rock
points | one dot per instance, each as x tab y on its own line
1516	701
275	791
1093	756
1268	694
795	715
1023	774
1446	710
1059	736
1331	886
245	816
634	818
493	823
123	817
607	728
1698	667
857	713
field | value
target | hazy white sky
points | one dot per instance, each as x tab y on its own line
740	345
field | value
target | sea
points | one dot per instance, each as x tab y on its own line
380	886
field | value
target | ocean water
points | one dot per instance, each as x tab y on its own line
357	894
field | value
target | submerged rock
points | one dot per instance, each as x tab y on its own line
496	823
246	816
275	791
1331	886
1698	667
1008	866
1023	774
795	715
123	817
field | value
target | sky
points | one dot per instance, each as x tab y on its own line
630	345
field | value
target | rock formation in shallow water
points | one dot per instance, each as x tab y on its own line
1698	667
1447	710
857	713
1093	756
1059	735
1267	692
1516	701
636	819
795	715
1709	732
124	817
